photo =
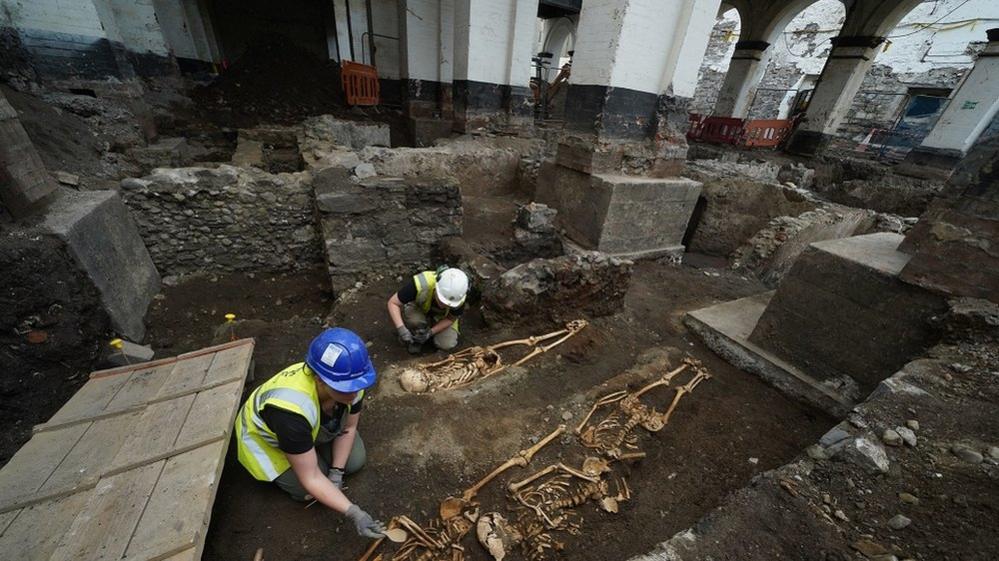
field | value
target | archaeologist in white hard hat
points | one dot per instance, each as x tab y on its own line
429	307
299	428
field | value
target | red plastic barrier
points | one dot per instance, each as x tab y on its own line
721	130
360	83
765	132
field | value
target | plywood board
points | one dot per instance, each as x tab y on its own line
142	386
91	399
186	375
104	527
28	470
131	464
155	432
36	531
216	409
88	458
178	510
228	362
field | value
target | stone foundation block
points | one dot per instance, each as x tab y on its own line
620	214
100	236
842	313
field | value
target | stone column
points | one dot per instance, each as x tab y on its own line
614	177
749	64
426	49
492	65
972	107
848	63
24	181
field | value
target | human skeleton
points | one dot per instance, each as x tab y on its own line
478	363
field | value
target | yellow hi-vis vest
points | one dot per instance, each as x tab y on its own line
426	282
293	389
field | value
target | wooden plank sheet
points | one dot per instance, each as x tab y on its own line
36	531
104	526
130	465
87	461
187	374
142	386
178	510
216	409
155	432
229	362
28	470
91	399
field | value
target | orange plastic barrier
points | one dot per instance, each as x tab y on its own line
765	132
721	130
360	83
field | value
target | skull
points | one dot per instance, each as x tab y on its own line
413	380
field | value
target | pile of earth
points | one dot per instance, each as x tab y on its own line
274	81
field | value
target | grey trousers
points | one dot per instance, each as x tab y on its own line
289	483
414	318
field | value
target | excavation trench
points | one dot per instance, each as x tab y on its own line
423	448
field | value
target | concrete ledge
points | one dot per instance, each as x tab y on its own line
725	329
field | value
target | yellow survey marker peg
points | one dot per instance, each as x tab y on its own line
120	346
230	319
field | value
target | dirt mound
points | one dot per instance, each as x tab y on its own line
274	81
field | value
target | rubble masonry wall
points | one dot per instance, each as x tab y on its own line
225	219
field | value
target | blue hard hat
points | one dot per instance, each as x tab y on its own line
340	358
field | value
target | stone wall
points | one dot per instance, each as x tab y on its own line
383	225
225	219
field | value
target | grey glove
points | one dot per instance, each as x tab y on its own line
366	526
336	477
405	337
422	335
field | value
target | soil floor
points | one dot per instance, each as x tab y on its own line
423	448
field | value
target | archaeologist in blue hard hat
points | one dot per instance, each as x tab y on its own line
299	429
429	306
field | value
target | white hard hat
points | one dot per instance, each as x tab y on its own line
452	286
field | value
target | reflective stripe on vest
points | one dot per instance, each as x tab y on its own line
293	389
425	282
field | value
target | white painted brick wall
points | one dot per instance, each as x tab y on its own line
76	17
695	43
638	44
137	24
385	21
493	40
173	24
422	39
359	28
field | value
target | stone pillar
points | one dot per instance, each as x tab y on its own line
492	65
24	181
614	177
426	49
848	63
749	64
972	107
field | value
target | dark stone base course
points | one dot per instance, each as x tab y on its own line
61	56
57	56
481	105
611	112
808	143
